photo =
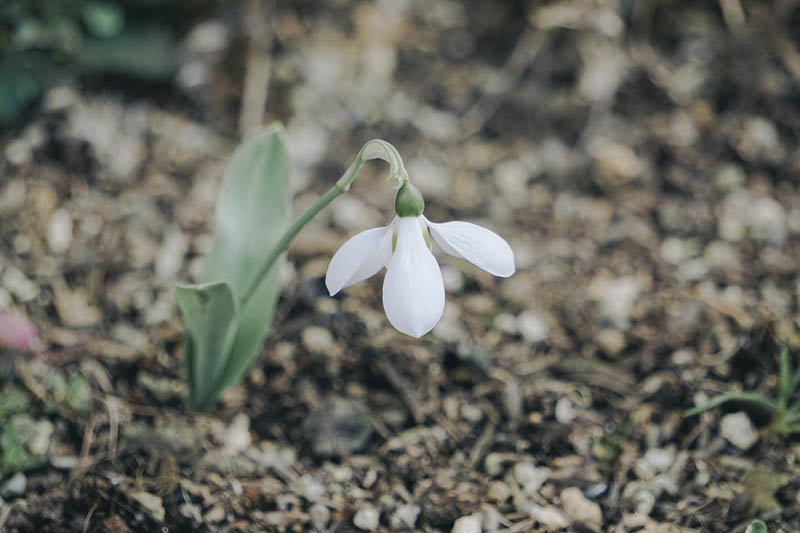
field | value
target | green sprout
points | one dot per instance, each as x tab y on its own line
785	416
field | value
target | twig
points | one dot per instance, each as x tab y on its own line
528	45
88	519
402	387
482	444
733	14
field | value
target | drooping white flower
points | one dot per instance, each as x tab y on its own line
413	290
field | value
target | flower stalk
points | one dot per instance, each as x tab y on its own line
374	149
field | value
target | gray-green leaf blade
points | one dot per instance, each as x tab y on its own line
209	315
252	214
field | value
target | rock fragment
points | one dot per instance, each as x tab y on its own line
737	429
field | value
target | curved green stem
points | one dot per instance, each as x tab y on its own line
374	149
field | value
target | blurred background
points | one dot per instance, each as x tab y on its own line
641	157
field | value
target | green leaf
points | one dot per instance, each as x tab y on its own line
144	52
18	88
751	398
209	315
757	526
252	213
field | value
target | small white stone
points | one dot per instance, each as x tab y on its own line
40	442
215	514
14	486
320	516
152	504
237	437
530	477
616	298
59	231
577	507
738	430
659	458
208	37
548	516
317	339
498	492
491	519
169	258
453	279
468	524
18	152
565	411
506	323
405	517
190	511
532	326
19	285
366	518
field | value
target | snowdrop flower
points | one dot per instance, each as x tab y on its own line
413	291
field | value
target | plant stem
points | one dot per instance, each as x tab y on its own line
374	149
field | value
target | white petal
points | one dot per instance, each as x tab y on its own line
413	291
478	245
361	257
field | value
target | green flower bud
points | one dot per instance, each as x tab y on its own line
409	202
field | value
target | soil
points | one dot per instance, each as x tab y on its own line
641	159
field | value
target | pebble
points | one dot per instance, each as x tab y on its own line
19	285
506	323
468	524
610	341
12	196
366	518
73	308
152	504
617	162
40	437
512	177
59	231
320	516
14	486
215	514
760	140
453	279
169	258
317	340
237	436
547	516
498	491
494	464
18	152
351	213
491	518
190	511
565	411
339	426
659	458
532	326
530	477
405	517
578	508
737	429
723	257
207	37
767	220
616	298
